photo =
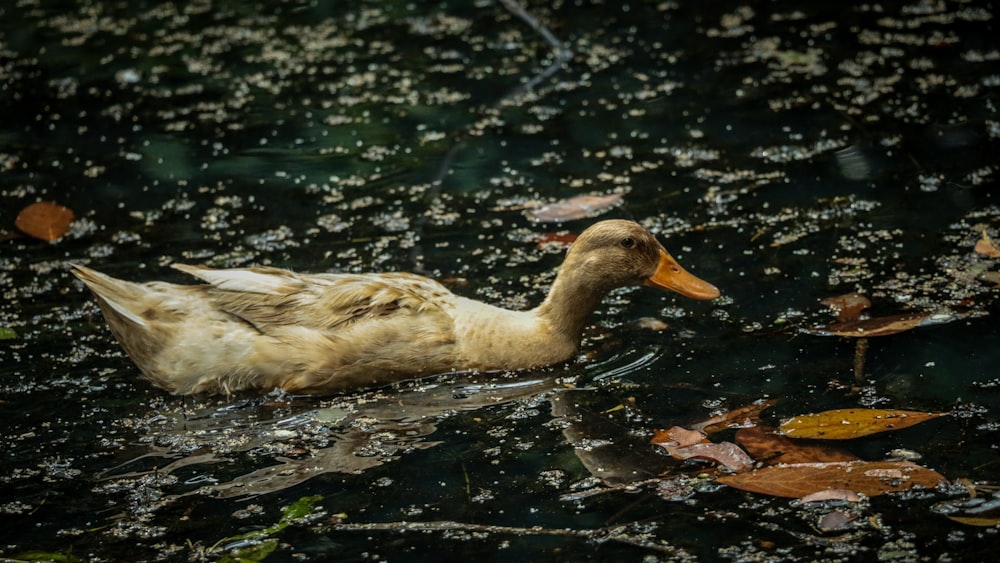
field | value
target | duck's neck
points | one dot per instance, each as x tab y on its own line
570	302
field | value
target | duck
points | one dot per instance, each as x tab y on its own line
261	328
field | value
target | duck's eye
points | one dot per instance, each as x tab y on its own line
628	242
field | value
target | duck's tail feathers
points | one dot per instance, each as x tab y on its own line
114	294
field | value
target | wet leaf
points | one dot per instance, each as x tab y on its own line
847	307
678	436
975	511
682	443
773	449
555	239
832	494
884	326
986	246
7	334
252	553
741	417
300	508
47	556
871	478
44	220
574	208
844	424
726	453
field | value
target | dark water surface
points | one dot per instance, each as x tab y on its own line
786	151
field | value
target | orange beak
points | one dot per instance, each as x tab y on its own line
670	275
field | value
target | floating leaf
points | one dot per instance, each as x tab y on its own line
884	326
67	557
975	511
44	220
678	436
871	478
682	443
742	417
7	334
844	424
986	246
847	307
573	208
251	554
555	239
772	449
831	494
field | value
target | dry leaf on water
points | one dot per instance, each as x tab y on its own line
682	443
574	208
44	220
871	478
844	424
773	449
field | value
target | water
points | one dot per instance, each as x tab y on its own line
787	153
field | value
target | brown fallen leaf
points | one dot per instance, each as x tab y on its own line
678	436
773	449
847	307
726	453
682	443
573	208
741	417
844	424
870	478
44	220
884	326
986	247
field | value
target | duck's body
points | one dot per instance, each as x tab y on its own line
261	328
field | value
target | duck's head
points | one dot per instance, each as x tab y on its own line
618	253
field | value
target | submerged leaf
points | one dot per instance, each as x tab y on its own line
772	449
7	334
871	478
844	424
884	326
573	208
975	511
741	417
44	220
847	307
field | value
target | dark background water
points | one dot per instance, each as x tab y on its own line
785	152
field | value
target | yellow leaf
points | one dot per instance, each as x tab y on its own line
975	520
844	424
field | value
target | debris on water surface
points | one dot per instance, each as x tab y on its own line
45	220
577	207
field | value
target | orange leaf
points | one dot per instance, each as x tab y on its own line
678	436
985	246
871	478
844	424
772	449
44	220
744	416
575	208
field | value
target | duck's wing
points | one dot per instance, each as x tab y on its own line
271	298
